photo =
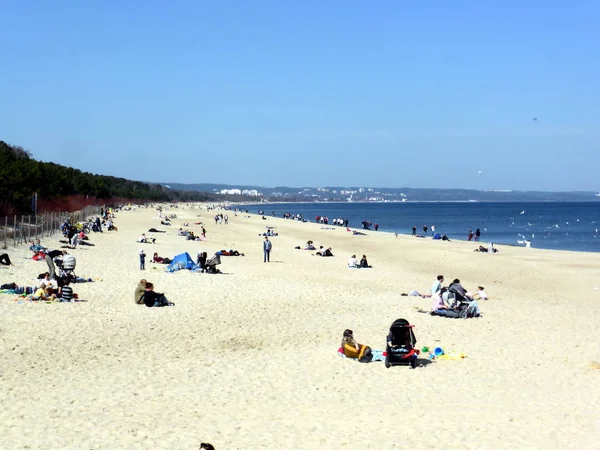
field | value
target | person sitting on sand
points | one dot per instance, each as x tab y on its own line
144	240
438	302
480	294
154	299
354	350
46	293
206	446
139	292
5	259
364	263
457	287
326	252
352	262
66	292
37	247
310	246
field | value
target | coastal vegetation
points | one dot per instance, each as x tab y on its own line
63	188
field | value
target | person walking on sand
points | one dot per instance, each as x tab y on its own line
470	234
477	234
267	247
424	229
432	230
414	233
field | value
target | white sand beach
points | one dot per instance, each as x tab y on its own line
248	359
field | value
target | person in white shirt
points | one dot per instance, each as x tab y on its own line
436	288
480	294
352	262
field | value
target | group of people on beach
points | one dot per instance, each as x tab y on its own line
145	295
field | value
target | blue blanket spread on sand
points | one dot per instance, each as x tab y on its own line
377	355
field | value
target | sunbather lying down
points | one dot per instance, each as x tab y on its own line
229	253
154	230
416	294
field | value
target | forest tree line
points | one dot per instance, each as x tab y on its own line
21	176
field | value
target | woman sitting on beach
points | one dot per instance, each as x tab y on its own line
364	263
354	350
160	259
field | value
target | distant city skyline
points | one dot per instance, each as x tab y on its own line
473	95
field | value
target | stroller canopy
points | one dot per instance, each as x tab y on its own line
401	333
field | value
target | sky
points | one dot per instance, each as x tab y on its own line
497	94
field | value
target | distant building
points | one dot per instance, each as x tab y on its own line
231	191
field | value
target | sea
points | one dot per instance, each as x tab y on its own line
570	226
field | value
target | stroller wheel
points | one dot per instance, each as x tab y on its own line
387	362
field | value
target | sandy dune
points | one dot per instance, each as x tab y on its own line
247	359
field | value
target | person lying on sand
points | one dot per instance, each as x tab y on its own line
160	259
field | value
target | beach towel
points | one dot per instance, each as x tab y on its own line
378	355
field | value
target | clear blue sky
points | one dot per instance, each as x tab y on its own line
309	93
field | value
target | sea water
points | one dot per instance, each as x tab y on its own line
548	225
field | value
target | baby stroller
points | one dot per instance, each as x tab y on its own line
212	263
400	345
66	268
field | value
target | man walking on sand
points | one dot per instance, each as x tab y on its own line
267	246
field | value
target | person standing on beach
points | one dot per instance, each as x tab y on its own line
436	288
470	234
414	233
477	234
267	247
203	233
432	230
424	229
142	260
376	226
226	219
